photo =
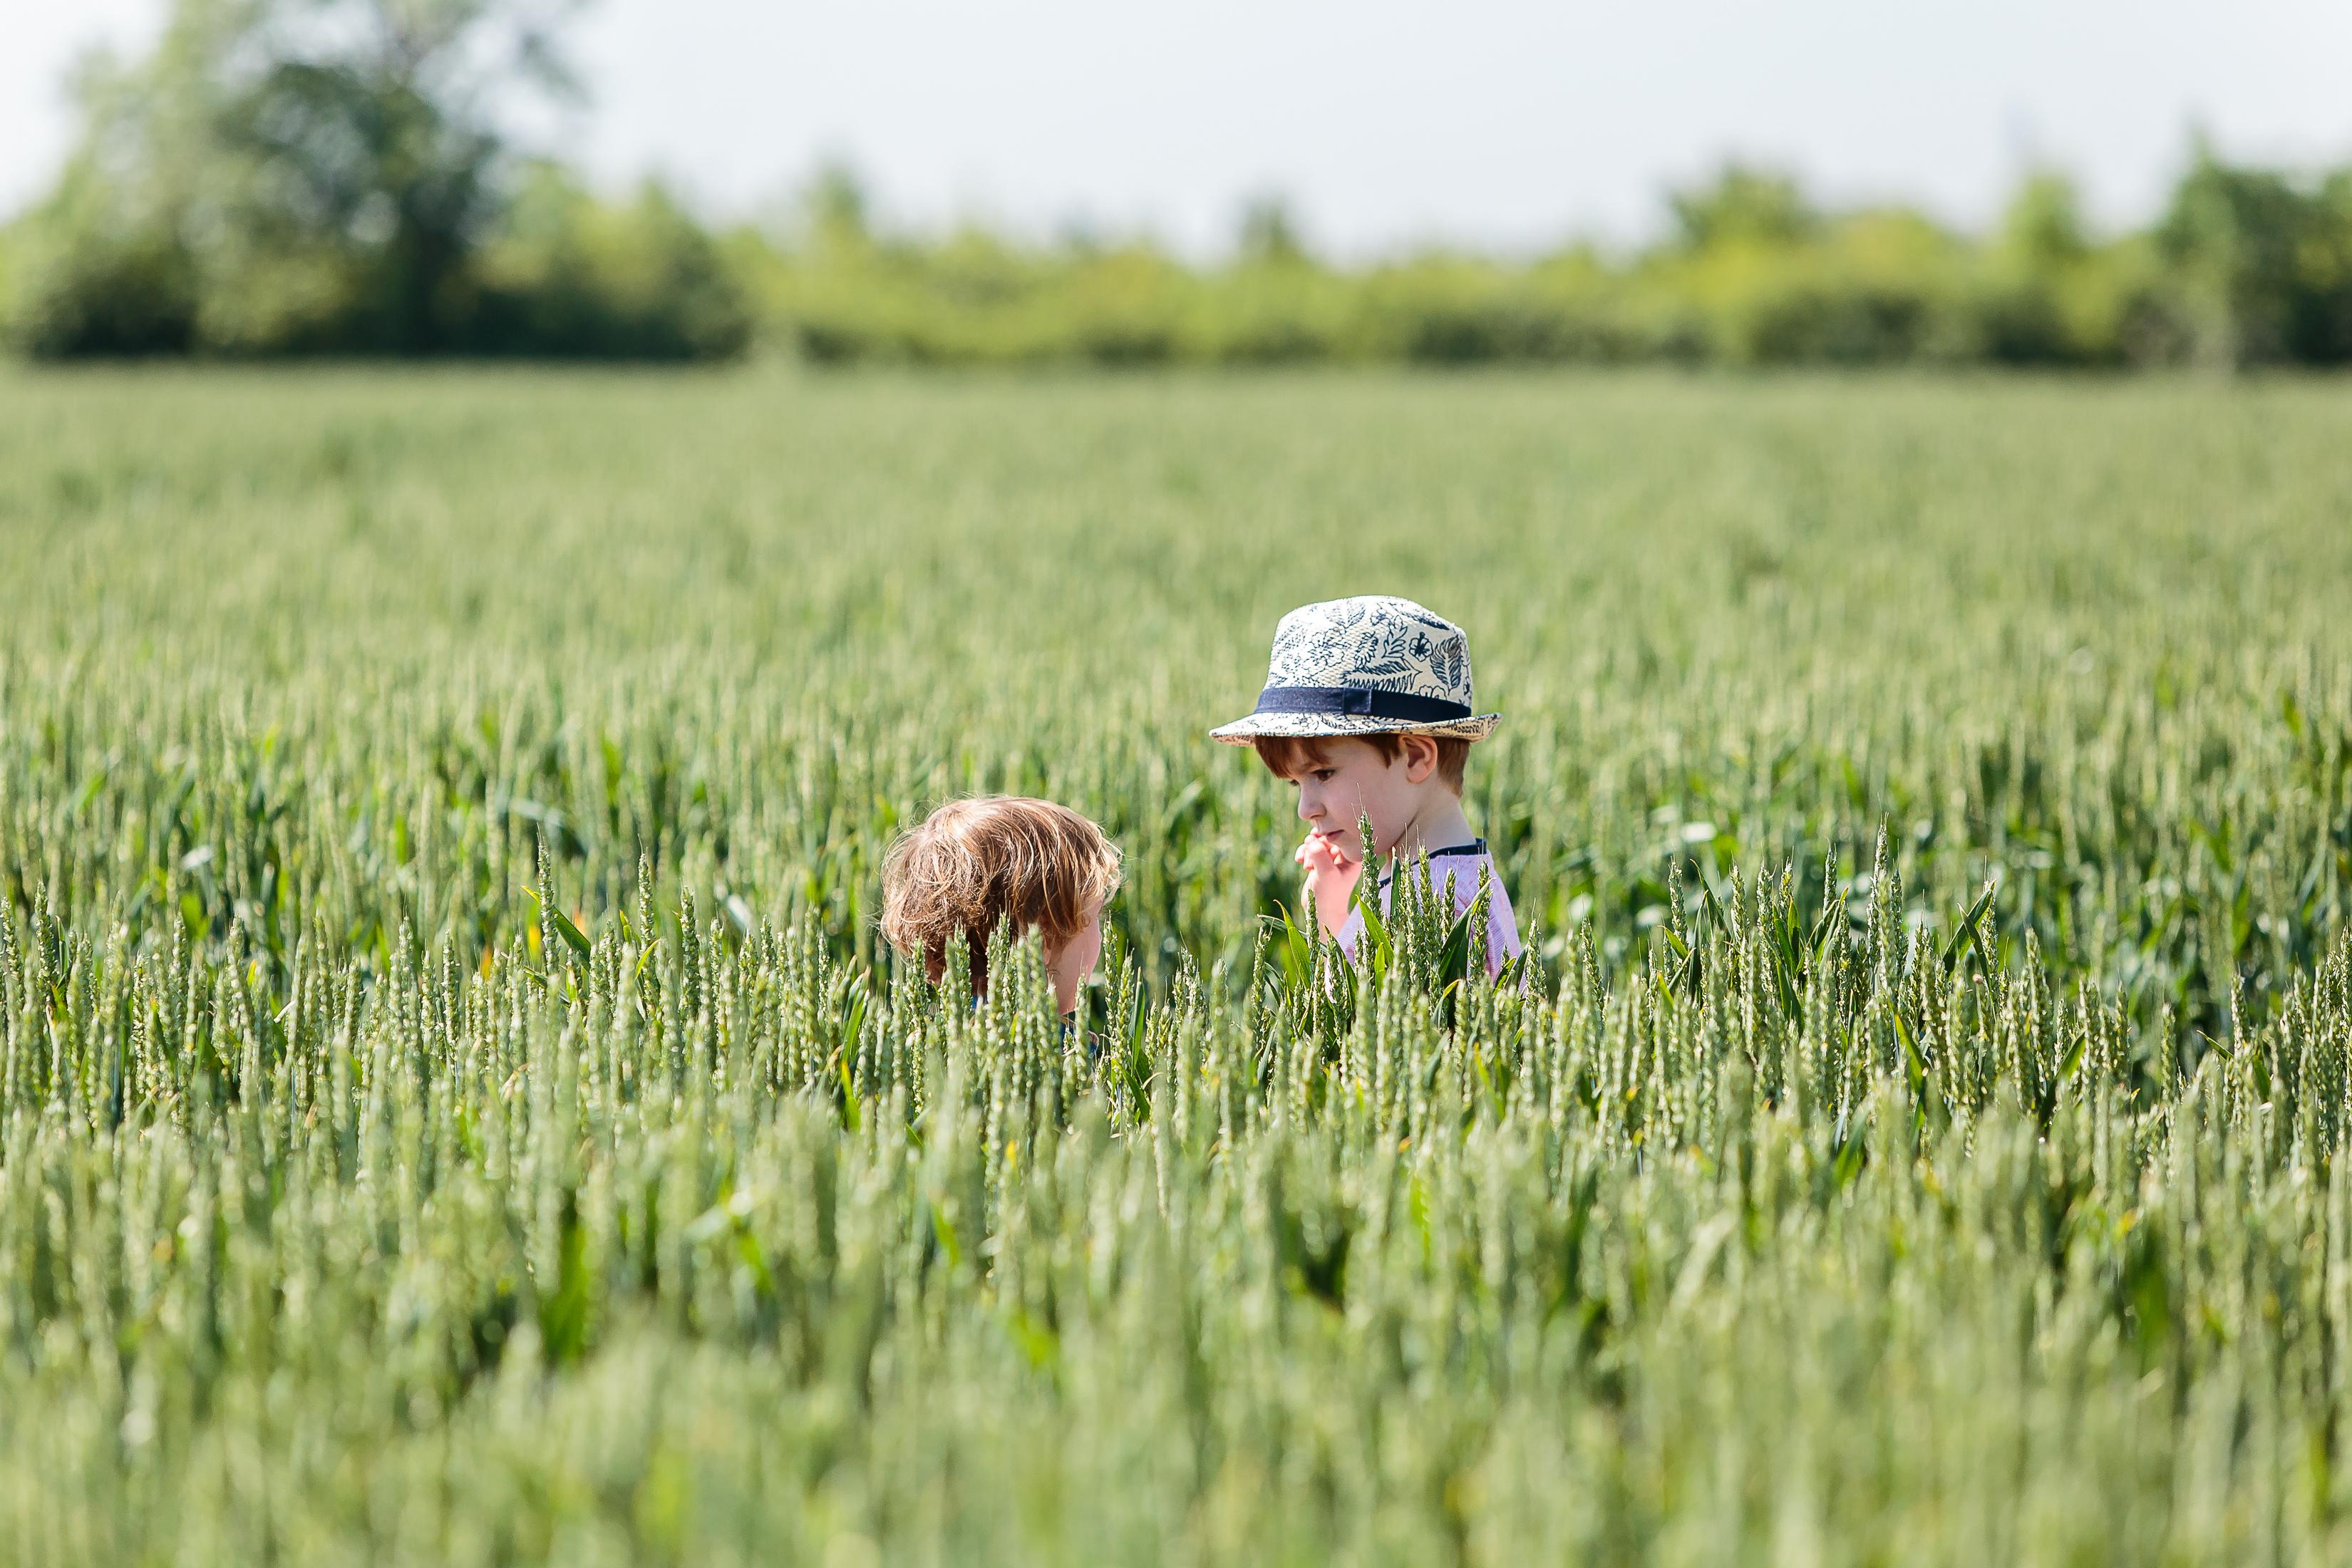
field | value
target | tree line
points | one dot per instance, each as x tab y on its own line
2246	267
291	177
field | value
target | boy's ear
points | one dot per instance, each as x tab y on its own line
1420	757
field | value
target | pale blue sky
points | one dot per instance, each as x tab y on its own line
1491	123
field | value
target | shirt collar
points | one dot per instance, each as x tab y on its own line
1451	852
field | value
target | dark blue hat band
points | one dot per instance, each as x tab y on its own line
1354	702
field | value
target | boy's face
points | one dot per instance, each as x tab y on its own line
1352	781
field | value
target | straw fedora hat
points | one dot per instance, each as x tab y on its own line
1368	665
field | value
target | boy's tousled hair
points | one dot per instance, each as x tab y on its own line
974	863
1287	756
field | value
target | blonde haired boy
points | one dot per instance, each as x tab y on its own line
975	864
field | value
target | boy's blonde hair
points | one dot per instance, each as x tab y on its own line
973	863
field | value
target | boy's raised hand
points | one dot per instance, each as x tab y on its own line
1330	880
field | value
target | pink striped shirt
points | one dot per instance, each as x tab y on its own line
1459	863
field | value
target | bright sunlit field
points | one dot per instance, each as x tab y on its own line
353	1207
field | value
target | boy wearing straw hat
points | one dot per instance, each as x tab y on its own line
1367	712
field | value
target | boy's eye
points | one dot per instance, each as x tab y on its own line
1323	775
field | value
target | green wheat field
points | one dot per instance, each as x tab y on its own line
454	1108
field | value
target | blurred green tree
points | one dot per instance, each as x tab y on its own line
2260	265
1759	206
567	276
2026	308
325	176
836	212
2044	224
1269	234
